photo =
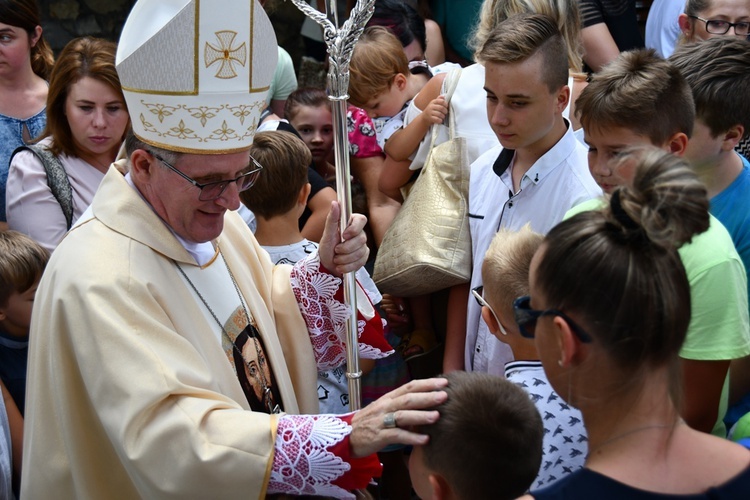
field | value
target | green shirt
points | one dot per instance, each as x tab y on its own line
719	325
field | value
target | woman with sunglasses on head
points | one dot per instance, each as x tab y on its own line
609	339
86	124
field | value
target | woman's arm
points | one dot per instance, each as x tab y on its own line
382	209
32	208
599	47
395	175
319	204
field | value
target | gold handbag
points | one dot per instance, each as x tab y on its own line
427	248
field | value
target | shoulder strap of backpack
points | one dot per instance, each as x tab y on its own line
57	178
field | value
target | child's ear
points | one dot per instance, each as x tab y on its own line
441	490
303	194
489	318
732	137
677	144
563	96
400	81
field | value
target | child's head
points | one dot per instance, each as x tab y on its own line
505	276
526	76
612	279
487	442
22	261
564	12
378	73
718	72
309	112
279	188
704	19
637	99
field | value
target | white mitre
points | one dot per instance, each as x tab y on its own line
195	73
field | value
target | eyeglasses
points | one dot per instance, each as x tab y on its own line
478	294
720	27
213	190
526	318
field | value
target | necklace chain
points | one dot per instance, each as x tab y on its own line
627	433
263	381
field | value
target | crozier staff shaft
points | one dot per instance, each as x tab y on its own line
340	42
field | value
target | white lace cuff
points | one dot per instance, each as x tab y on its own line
302	464
318	294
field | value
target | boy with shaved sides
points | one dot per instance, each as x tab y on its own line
537	172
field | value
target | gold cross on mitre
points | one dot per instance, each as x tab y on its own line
226	54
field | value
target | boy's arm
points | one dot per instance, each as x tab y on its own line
404	142
15	422
703	382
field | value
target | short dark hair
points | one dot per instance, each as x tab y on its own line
638	91
22	262
522	36
487	442
285	158
640	311
402	20
718	72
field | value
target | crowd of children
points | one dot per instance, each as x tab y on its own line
605	329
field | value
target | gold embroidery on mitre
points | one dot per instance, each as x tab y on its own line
201	123
203	113
225	54
161	111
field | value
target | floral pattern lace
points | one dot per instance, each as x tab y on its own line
302	464
325	315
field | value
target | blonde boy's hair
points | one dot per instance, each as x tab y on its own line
377	58
505	270
564	12
22	261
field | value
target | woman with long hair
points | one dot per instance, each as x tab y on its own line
86	124
25	63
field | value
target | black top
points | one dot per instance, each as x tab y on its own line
620	17
585	483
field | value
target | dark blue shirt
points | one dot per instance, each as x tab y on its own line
13	360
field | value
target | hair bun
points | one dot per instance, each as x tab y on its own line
666	202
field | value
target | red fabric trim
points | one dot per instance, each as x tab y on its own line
362	471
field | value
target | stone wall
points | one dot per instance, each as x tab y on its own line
64	20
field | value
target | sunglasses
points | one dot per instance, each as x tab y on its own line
526	319
478	294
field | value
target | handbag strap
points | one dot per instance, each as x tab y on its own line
449	86
57	178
